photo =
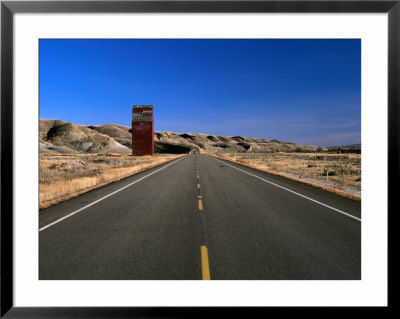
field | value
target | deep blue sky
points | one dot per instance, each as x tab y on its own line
303	91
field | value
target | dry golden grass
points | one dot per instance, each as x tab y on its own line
338	173
62	177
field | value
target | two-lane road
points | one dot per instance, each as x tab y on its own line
202	218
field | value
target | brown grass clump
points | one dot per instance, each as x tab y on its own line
338	173
62	177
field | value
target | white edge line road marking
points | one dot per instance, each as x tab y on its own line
99	200
289	190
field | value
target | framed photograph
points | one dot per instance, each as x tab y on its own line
173	158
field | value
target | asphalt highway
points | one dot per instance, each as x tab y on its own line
197	218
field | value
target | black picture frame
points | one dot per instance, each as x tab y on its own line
9	8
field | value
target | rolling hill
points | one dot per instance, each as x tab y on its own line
57	136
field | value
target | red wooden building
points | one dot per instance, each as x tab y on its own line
142	130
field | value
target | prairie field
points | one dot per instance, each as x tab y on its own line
63	176
332	171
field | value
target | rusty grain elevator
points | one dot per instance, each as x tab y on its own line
142	130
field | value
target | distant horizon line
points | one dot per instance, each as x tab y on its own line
263	138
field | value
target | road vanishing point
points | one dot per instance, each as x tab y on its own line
202	218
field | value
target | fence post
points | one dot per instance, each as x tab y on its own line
343	179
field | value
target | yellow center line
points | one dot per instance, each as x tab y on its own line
198	185
200	205
205	268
